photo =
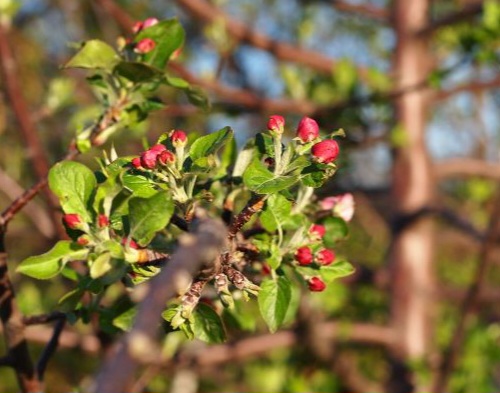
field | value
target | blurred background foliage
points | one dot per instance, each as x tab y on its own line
246	84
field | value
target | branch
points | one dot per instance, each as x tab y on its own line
367	10
471	87
200	248
462	167
465	14
50	348
470	301
254	205
208	13
44	318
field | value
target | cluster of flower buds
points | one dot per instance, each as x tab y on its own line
159	155
145	45
311	254
90	232
323	151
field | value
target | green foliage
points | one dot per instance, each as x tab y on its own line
274	300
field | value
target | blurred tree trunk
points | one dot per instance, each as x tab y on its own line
413	186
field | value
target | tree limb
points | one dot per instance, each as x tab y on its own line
366	10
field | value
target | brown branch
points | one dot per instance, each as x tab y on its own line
366	10
254	205
208	13
118	14
44	318
471	87
50	349
201	248
462	167
470	301
24	118
467	13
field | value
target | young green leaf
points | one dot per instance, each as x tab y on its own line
210	144
149	215
137	72
207	325
261	181
94	54
73	183
276	212
274	300
336	270
52	262
101	265
336	229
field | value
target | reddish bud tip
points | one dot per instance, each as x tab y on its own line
307	130
325	151
179	138
316	284
136	162
72	221
149	22
137	27
266	269
83	240
317	231
148	159
166	157
304	256
325	257
276	124
158	148
102	221
145	45
131	243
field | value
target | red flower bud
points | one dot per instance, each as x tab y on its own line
307	130
276	124
131	243
266	269
179	138
83	240
148	159
317	231
136	162
325	151
72	221
137	27
304	256
166	157
325	257
316	284
145	45
102	221
158	148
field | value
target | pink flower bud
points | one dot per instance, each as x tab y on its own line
158	148
307	130
304	256
166	157
148	159
325	257
325	151
83	240
276	124
317	231
131	243
316	284
102	221
136	162
137	27
179	138
145	45
149	22
341	206
72	221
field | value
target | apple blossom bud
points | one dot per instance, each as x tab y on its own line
149	22
158	148
325	151
325	257
83	240
136	162
341	206
266	269
316	284
304	256
72	221
317	231
102	221
166	157
148	159
307	130
276	124
137	27
179	138
144	46
130	242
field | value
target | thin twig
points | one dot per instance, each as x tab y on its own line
50	349
254	205
44	318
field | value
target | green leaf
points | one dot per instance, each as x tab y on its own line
140	185
52	262
137	72
336	270
313	176
207	325
176	82
168	36
203	164
149	215
260	180
101	265
265	144
276	212
336	229
274	300
125	320
197	97
210	144
94	54
73	183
